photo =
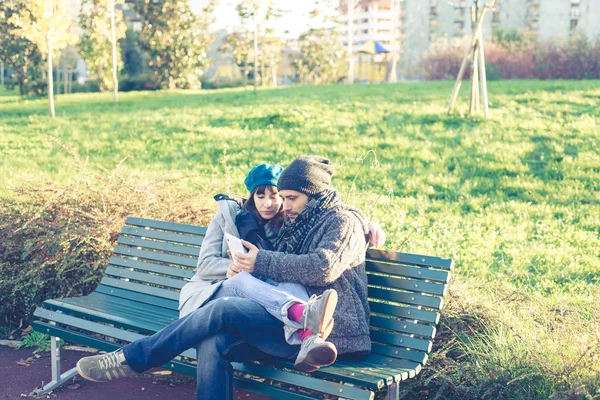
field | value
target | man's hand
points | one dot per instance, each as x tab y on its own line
246	261
376	235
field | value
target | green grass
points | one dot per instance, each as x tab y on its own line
514	199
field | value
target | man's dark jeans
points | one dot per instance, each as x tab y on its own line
223	330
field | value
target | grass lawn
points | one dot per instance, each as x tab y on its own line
514	199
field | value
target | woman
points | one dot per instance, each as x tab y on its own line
258	221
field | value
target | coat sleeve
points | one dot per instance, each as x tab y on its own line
212	263
341	247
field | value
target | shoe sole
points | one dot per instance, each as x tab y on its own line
317	358
326	322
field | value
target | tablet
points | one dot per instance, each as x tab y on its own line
235	244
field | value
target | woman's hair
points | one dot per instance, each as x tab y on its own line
250	206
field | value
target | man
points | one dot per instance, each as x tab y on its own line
321	245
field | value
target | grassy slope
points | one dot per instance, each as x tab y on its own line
515	200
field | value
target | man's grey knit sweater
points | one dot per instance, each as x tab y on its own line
331	256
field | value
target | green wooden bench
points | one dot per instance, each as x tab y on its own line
139	291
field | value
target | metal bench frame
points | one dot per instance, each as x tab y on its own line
139	291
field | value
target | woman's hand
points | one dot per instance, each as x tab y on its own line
232	271
246	261
376	235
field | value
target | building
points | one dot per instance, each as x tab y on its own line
422	23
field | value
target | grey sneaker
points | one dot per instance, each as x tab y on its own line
315	353
318	313
105	367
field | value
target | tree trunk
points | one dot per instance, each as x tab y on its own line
50	82
392	76
350	4
113	37
255	67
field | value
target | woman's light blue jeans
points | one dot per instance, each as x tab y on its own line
223	330
275	297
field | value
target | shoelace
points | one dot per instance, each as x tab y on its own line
109	361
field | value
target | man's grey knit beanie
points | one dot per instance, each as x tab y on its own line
307	174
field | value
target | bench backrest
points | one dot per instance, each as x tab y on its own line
406	291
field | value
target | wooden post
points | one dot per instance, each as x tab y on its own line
474	58
468	53
483	78
113	40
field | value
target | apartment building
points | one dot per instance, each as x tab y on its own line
422	23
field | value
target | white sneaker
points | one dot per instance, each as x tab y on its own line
315	353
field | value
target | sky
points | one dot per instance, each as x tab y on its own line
295	19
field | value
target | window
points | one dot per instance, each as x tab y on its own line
496	17
575	12
573	24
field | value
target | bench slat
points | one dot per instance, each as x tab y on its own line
161	235
85	325
130	304
405	297
400	340
399	352
145	277
408	271
156	256
407	284
407	327
405	312
147	327
120	307
162	246
166	226
303	381
150	267
139	297
411	259
136	287
338	371
273	392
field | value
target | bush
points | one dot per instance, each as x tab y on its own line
90	86
221	85
513	56
137	84
56	240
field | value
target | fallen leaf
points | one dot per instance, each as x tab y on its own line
23	363
11	345
26	331
74	386
162	373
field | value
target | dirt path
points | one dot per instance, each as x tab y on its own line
21	372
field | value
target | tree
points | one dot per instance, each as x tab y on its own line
175	41
21	55
98	44
272	44
47	24
266	46
323	58
239	43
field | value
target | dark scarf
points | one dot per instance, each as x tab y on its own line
292	234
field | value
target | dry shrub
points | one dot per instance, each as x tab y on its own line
521	58
55	241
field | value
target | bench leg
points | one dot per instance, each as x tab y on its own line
393	391
57	379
